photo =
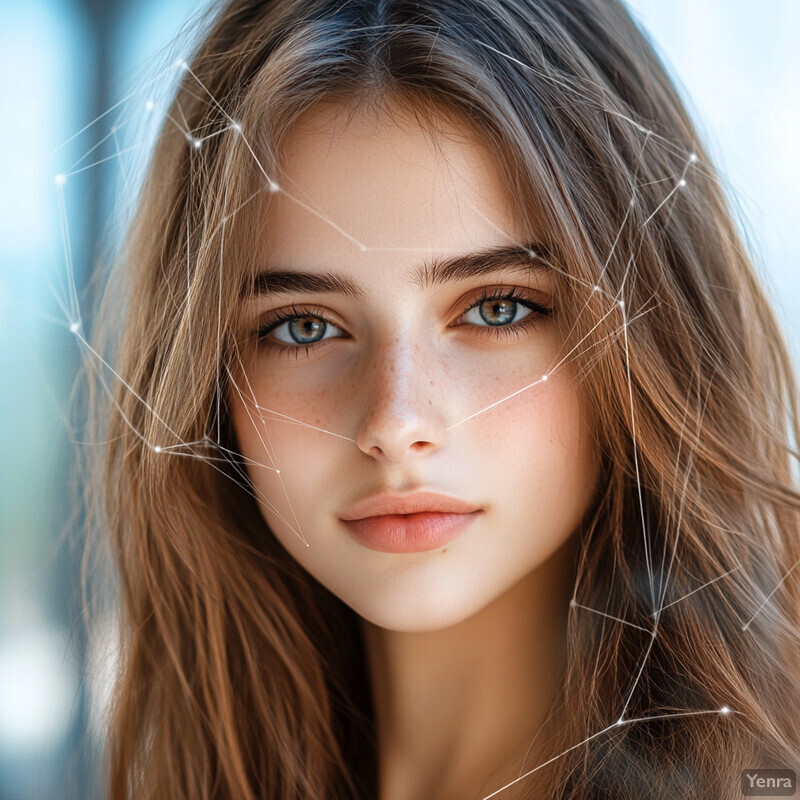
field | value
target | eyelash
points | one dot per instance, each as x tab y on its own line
503	332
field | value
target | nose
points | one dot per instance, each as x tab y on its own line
402	419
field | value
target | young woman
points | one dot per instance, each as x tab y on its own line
452	452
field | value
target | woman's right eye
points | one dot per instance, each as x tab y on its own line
299	330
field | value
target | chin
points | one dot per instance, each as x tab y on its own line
418	611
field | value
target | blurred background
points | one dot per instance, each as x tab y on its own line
66	63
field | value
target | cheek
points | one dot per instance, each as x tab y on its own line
290	467
537	451
539	418
319	394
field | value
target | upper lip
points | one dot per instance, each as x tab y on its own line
417	503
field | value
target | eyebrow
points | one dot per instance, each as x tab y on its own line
528	259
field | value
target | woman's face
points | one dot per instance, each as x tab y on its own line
375	352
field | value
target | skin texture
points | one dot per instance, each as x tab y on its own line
465	642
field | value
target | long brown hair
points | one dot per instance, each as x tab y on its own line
240	676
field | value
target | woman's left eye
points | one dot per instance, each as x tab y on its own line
496	311
499	312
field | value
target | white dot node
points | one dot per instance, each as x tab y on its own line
197	143
621	304
596	289
277	471
724	710
149	105
532	253
60	179
633	202
181	64
74	327
620	721
157	449
572	603
236	126
273	187
693	157
681	182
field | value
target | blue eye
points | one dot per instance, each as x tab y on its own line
298	329
497	311
303	330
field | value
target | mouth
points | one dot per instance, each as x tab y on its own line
409	533
409	523
408	504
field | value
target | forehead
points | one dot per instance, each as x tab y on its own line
367	188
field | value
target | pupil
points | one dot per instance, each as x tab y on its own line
307	329
498	312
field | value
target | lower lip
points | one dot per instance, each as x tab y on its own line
409	533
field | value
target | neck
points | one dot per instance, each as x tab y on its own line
459	709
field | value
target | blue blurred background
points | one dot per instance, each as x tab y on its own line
65	63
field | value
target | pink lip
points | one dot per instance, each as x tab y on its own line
410	523
413	533
416	503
